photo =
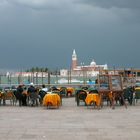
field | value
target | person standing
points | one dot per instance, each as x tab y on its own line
42	93
19	94
33	95
24	98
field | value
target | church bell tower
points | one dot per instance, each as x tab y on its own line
74	60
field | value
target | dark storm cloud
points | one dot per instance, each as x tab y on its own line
127	10
45	32
131	4
41	4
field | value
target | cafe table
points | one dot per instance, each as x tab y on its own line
52	99
93	97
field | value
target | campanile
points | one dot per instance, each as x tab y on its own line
74	60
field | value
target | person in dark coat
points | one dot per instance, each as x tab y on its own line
19	94
33	95
24	96
42	93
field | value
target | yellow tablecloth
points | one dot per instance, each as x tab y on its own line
52	98
137	88
70	90
0	94
93	98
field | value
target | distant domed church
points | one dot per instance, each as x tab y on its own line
91	70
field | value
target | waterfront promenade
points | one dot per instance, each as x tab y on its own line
69	122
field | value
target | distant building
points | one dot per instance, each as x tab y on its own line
64	72
90	70
27	74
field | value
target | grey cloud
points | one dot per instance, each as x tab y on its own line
2	1
127	10
93	27
131	4
41	4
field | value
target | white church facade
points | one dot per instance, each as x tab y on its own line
83	70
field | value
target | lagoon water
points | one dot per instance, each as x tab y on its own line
4	81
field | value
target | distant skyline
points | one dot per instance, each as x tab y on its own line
44	33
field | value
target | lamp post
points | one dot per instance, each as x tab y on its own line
0	78
9	78
18	78
56	74
49	78
82	68
36	78
70	76
114	70
42	76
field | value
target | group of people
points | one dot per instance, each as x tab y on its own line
31	94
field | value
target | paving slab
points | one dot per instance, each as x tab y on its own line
69	122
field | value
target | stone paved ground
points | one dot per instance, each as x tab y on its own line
69	122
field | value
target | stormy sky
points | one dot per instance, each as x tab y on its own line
44	33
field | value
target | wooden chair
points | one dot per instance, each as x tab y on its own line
9	95
111	87
81	96
136	95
